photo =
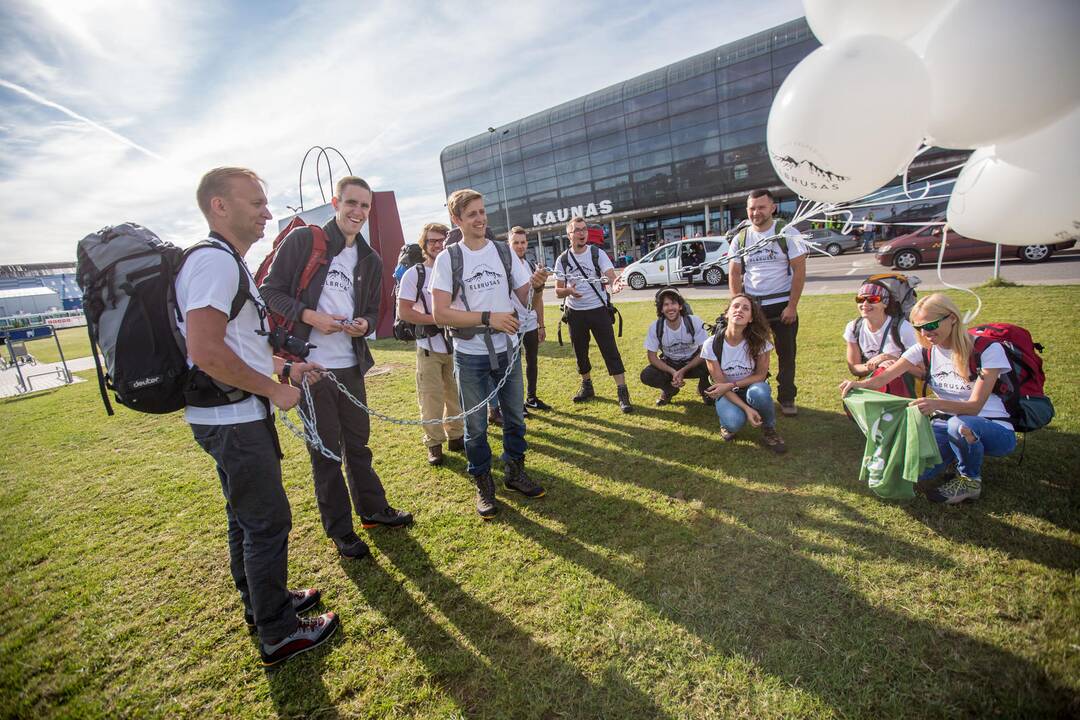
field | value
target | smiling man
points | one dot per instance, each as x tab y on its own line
335	312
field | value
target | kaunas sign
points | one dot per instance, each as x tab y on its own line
564	214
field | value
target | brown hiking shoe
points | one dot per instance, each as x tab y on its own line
434	455
773	441
726	435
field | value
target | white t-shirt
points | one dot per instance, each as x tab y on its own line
766	267
870	341
736	362
407	290
948	385
484	287
568	272
678	344
336	349
209	278
527	317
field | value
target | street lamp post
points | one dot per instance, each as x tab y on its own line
502	180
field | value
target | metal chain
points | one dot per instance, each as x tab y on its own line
309	433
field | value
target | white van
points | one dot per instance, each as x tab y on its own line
673	263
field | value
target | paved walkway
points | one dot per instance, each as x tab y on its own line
42	376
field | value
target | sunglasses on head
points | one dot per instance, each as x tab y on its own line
872	299
930	326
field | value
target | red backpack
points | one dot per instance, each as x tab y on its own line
1022	389
279	326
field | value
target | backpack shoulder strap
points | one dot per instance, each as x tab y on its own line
507	263
457	268
596	260
243	287
689	326
421	278
894	330
718	347
782	241
660	334
738	243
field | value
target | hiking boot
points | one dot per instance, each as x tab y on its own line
624	399
956	491
310	633
726	435
351	546
301	600
788	409
485	496
664	399
516	479
535	403
495	416
388	517
434	455
585	392
773	441
456	444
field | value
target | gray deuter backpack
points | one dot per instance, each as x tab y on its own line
126	274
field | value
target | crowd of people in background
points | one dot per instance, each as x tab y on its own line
471	300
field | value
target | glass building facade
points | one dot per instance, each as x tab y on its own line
667	154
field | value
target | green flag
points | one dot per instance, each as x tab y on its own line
900	443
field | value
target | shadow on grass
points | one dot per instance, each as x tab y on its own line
297	687
752	588
514	675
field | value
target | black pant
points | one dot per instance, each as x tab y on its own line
598	322
657	378
531	342
339	423
259	519
784	338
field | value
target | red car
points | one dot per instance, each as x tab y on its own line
908	252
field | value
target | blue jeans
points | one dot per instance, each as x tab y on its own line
757	396
990	439
476	380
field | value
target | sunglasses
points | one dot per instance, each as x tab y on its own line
930	326
872	299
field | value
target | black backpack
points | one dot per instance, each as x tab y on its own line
403	330
126	274
410	255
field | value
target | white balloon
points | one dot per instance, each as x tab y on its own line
833	20
1024	192
1001	68
823	143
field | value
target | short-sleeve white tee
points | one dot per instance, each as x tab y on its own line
766	266
526	315
736	362
882	341
336	349
210	278
676	344
407	290
484	287
568	271
947	384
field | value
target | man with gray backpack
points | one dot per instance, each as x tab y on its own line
768	263
471	288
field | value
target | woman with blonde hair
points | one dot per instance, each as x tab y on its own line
969	420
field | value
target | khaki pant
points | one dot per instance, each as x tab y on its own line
437	395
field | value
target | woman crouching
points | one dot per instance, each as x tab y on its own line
969	420
738	361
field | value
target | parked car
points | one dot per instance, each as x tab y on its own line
908	252
665	265
831	241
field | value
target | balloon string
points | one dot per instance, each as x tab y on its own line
970	314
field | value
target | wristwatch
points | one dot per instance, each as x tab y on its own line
286	369
485	318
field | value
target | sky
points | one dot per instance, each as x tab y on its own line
111	111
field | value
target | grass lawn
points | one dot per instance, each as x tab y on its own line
665	574
73	341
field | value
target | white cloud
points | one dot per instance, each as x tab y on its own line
390	84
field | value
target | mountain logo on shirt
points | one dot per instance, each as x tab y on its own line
337	280
949	381
483	279
737	369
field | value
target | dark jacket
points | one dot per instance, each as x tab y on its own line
279	289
